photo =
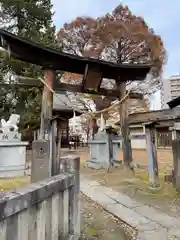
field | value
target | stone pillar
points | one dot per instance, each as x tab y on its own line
41	166
59	140
71	164
53	147
176	154
152	155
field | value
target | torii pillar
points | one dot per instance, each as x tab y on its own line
126	142
42	162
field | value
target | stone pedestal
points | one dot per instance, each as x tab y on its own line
103	150
12	155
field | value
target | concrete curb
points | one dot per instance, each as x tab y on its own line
149	223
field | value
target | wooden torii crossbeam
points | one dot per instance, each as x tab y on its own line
93	72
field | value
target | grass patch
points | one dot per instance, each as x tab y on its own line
91	232
165	198
12	183
117	179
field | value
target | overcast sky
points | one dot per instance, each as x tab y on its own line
161	15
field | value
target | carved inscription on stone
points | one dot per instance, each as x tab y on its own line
10	136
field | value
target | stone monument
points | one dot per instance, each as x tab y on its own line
12	149
103	149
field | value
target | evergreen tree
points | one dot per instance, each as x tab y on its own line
31	19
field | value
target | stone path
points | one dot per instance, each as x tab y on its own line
149	223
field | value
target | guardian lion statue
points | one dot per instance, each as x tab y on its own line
11	124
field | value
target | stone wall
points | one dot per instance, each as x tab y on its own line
48	209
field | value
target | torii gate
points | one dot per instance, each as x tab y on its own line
93	72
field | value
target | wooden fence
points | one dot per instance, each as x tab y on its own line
47	210
164	139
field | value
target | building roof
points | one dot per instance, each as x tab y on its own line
153	116
63	103
174	103
49	58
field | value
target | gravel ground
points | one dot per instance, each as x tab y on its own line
97	224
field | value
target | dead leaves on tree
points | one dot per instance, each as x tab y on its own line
101	38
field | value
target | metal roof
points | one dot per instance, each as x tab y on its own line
153	116
61	102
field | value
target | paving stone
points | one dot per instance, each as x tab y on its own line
150	223
94	183
84	181
173	238
158	217
149	227
97	196
158	234
122	198
130	180
83	185
127	215
117	196
174	232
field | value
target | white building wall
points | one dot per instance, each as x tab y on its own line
170	90
139	143
165	93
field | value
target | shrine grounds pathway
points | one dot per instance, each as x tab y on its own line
165	199
147	221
